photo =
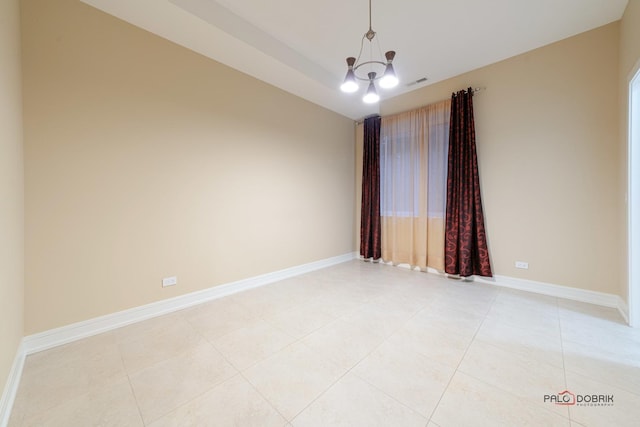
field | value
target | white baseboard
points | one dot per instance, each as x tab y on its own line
623	308
11	386
73	332
566	292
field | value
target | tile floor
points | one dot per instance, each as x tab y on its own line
357	344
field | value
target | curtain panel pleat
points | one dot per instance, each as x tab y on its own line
370	246
466	250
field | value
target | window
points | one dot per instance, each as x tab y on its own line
413	164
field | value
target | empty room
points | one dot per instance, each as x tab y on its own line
295	213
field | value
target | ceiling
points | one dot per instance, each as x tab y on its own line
300	46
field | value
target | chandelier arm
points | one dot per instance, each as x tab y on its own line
379	75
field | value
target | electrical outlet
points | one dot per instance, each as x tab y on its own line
522	264
169	281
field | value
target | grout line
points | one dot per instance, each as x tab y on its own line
391	397
564	363
357	363
126	371
188	351
133	393
198	396
375	286
264	397
496	386
471	341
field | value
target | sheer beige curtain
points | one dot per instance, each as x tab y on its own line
413	176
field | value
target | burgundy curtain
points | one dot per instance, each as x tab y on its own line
466	251
370	215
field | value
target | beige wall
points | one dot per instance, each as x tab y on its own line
11	189
547	135
629	65
146	160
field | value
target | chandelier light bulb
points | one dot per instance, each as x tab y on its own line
350	84
349	87
371	97
389	78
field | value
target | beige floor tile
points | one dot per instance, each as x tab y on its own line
470	402
625	411
526	313
372	317
540	345
462	297
292	378
146	328
587	330
301	321
263	301
140	350
407	301
543	304
84	351
338	306
166	385
436	281
221	307
368	289
299	290
451	320
350	295
518	374
588	312
111	405
434	343
353	402
411	378
234	403
617	365
43	387
16	418
345	343
219	317
247	346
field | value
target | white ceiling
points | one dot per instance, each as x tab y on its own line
300	45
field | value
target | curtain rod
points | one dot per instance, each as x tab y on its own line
475	90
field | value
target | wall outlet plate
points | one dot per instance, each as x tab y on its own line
522	264
169	281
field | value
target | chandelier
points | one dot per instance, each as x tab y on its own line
386	79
